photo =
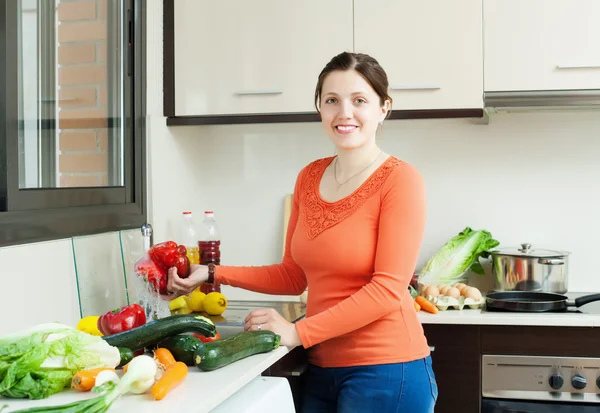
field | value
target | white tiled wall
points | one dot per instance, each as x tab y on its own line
39	285
529	177
60	281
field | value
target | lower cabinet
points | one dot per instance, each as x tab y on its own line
292	366
456	357
456	364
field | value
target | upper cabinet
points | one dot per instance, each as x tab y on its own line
430	49
240	57
541	45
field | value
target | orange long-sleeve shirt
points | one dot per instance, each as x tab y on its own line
357	256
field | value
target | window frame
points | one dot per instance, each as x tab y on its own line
42	214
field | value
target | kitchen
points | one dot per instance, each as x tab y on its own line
524	175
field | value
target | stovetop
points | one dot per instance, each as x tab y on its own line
592	308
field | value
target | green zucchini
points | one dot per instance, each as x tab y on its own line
126	355
151	333
219	353
182	346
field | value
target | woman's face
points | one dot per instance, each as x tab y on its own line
350	109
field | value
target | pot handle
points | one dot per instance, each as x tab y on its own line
546	261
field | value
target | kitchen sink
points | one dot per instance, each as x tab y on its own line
231	321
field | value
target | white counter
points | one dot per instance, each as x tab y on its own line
200	392
477	317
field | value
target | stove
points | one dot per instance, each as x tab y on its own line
535	384
541	384
591	308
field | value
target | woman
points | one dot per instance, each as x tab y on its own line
354	236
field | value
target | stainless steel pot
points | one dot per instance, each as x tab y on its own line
528	269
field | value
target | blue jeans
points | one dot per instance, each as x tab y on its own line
385	388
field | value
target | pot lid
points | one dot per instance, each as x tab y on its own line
526	250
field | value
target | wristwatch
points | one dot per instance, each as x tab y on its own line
211	273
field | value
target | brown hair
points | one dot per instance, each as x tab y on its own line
365	65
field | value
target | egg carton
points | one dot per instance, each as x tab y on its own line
444	302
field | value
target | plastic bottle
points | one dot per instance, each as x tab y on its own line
209	246
189	238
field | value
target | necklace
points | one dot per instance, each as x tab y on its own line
362	170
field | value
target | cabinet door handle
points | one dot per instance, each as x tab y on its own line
578	66
415	87
259	92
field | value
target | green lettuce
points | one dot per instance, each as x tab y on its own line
41	361
457	257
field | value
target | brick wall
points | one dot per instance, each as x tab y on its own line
82	94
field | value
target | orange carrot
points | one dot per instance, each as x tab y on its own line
171	378
426	305
164	357
84	380
125	368
417	306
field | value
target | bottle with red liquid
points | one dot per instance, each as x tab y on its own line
209	248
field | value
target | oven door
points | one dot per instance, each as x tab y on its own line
519	406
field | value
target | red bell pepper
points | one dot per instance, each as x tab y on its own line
122	319
205	339
161	257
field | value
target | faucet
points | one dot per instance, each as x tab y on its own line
148	237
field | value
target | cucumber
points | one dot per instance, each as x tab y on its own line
216	354
151	333
126	356
182	346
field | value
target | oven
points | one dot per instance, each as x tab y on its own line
532	384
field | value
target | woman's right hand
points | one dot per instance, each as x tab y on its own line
182	286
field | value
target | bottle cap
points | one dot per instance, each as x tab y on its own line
187	213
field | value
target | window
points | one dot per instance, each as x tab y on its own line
72	105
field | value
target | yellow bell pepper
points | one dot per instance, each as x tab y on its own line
89	325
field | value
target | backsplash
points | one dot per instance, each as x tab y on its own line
526	177
62	280
529	177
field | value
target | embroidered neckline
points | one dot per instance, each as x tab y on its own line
319	214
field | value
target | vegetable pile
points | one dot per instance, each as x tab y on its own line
52	357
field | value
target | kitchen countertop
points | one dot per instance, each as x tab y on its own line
203	391
585	316
199	393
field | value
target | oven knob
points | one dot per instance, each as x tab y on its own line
556	381
578	382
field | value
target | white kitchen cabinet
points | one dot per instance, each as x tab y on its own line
541	45
430	49
262	56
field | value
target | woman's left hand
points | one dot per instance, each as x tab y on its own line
270	319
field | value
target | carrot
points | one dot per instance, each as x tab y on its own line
171	378
84	380
164	357
426	305
417	306
125	368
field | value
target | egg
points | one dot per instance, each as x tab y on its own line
444	288
453	292
472	293
431	290
461	288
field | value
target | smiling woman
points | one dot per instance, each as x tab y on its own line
71	118
353	238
